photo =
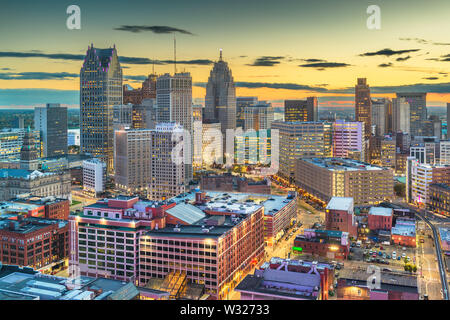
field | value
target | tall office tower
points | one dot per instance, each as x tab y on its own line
28	153
348	137
168	177
417	110
100	91
132	151
174	99
259	117
122	115
301	140
301	110
220	99
241	103
400	115
432	127
363	106
51	121
380	115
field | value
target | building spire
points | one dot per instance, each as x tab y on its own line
220	57
175	53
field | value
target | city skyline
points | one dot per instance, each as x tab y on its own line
312	52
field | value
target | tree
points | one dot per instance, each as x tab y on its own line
414	268
400	189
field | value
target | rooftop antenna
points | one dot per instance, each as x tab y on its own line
175	53
153	67
220	58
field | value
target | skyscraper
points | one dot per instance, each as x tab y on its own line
400	115
381	116
418	111
51	121
220	99
241	103
301	110
100	90
348	137
363	106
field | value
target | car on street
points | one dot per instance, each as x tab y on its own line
394	255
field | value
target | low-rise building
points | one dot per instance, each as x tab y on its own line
380	218
404	232
323	243
339	216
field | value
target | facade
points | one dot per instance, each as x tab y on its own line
258	117
301	110
253	147
46	207
73	137
363	106
51	121
33	242
380	218
329	244
136	96
213	250
401	115
352	285
339	216
104	237
439	198
348	137
100	90
220	98
241	103
444	157
325	178
417	111
301	140
388	152
421	176
122	115
381	116
11	141
210	149
404	232
94	176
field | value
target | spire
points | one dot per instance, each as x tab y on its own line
175	53
220	57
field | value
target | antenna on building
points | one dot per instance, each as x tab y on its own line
175	53
220	57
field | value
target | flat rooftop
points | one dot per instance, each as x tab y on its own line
29	224
380	211
340	203
340	164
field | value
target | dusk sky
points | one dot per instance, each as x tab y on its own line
276	49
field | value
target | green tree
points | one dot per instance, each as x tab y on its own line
400	189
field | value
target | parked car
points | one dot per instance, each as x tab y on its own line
404	249
394	255
399	258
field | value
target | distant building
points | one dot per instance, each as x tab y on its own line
301	110
363	106
388	152
136	96
11	142
417	111
381	115
241	103
325	178
445	153
73	137
401	120
348	138
94	176
258	117
51	121
301	140
229	182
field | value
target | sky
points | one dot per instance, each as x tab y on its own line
277	50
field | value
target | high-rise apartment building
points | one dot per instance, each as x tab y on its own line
301	140
417	111
363	106
301	110
51	121
100	90
348	137
220	99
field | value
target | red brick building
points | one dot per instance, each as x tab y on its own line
34	242
380	218
324	243
339	216
54	208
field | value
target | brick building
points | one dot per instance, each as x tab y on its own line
339	216
323	243
380	218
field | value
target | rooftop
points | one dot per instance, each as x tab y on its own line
340	203
339	164
380	211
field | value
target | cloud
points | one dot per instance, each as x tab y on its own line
38	76
385	65
403	58
313	60
423	41
431	78
80	57
443	58
387	52
266	61
154	29
256	85
324	65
